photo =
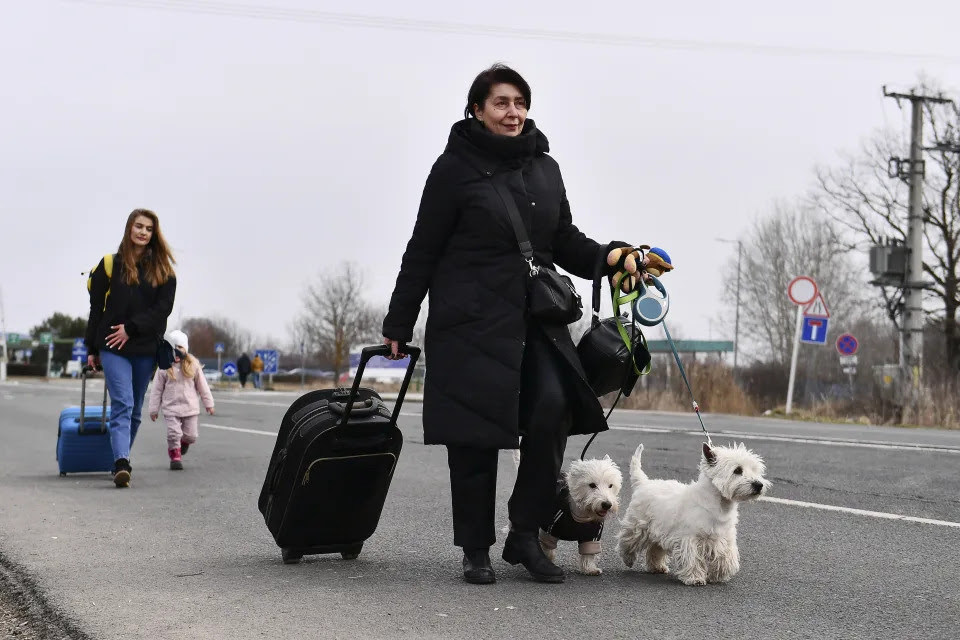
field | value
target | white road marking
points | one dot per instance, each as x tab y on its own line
864	444
861	512
258	403
795	503
239	429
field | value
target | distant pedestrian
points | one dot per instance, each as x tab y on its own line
244	367
131	295
178	392
257	368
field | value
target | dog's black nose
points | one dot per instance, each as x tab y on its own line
757	486
605	505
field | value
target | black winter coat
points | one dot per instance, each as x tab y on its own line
142	309
464	252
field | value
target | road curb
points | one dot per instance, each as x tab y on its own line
30	604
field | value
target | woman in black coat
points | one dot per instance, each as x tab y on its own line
495	374
130	299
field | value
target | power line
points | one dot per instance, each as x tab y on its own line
259	12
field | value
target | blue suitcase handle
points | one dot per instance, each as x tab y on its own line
84	374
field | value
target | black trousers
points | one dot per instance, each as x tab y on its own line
545	416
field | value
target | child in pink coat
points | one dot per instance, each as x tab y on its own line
178	391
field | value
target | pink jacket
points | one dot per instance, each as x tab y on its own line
179	397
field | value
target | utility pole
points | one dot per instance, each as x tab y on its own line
736	321
3	343
911	326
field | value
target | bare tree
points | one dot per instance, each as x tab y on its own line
860	196
335	317
206	332
790	241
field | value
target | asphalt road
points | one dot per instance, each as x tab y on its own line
186	554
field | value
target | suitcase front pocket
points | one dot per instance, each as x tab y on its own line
338	500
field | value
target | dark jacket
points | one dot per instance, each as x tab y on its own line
142	309
244	366
464	252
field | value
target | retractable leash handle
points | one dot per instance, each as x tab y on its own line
652	303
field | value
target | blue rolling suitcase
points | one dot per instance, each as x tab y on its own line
83	439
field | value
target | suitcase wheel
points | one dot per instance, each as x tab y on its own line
352	553
63	474
290	556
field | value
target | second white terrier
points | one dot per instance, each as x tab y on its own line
695	524
586	494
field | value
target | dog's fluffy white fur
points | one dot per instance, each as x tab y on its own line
695	524
586	502
594	488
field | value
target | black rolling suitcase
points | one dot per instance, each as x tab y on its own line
331	467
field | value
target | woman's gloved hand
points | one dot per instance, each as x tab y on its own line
634	262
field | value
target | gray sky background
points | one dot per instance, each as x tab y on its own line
274	149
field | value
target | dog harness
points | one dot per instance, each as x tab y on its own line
564	526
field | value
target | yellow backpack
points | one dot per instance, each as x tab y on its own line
108	268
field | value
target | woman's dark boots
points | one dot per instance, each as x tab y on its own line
476	566
522	547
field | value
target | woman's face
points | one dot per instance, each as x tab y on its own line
142	231
504	110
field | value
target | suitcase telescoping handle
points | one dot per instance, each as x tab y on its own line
382	350
84	374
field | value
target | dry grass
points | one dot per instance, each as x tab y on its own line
713	386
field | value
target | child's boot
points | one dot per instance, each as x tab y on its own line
183	448
176	464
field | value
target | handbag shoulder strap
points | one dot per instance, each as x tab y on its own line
519	230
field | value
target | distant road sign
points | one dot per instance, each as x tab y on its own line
817	308
847	345
848	361
814	330
802	290
270	360
218	347
46	337
229	369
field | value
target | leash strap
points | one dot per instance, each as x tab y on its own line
683	373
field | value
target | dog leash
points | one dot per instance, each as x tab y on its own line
676	356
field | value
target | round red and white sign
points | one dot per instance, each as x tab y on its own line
802	290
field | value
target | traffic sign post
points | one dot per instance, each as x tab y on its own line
218	347
802	291
79	351
814	330
271	362
230	369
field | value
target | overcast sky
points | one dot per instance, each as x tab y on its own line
273	149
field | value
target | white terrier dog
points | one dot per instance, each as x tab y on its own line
586	494
696	523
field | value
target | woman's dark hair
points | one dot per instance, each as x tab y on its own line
496	74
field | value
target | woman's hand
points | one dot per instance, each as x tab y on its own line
93	362
118	338
627	259
394	349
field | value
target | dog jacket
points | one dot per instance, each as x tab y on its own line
564	526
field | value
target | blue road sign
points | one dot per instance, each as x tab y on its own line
78	344
229	369
218	347
79	352
814	330
847	345
270	360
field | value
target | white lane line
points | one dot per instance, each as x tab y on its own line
259	403
795	503
864	444
861	512
239	429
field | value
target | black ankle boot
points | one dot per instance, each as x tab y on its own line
522	547
476	566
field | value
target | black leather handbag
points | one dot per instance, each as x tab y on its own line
551	297
613	351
